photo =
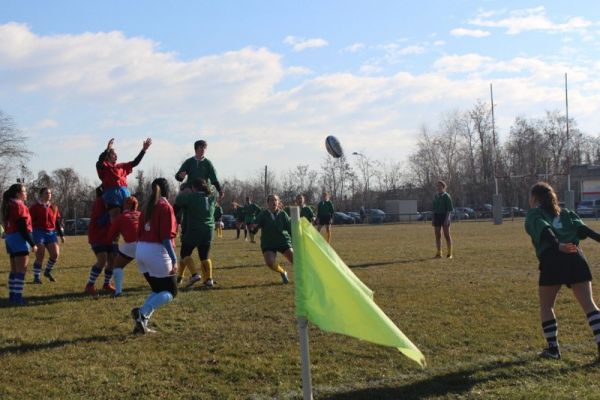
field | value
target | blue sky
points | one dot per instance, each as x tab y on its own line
265	81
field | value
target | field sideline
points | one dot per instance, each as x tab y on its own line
475	318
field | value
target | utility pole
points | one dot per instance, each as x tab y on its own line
496	198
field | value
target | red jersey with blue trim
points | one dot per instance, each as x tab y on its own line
162	225
114	175
99	224
17	210
126	224
44	216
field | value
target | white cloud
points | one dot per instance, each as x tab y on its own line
298	70
353	48
530	19
439	43
477	33
461	63
300	44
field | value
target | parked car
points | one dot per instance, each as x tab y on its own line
228	221
375	216
518	212
483	210
466	210
76	227
342	218
356	216
458	214
425	216
587	208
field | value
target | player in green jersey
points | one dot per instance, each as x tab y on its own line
238	213
199	166
305	211
442	207
325	215
251	210
198	213
218	222
555	235
276	235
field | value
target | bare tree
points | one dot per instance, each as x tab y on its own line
13	150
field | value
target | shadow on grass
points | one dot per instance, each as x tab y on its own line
456	383
30	347
32	301
376	264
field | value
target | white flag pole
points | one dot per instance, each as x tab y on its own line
303	332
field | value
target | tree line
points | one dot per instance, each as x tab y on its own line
464	150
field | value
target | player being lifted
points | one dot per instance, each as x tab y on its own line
199	166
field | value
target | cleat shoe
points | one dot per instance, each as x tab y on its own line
108	288
115	295
550	352
209	283
91	290
37	281
193	279
140	322
284	277
48	275
449	256
179	279
438	255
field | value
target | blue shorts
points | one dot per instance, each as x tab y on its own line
41	236
105	248
115	196
16	245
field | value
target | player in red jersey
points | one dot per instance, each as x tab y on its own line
19	242
101	245
126	224
114	176
155	253
46	221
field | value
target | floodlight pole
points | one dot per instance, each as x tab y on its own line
303	333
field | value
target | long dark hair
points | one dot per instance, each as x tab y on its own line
160	188
200	185
546	196
11	193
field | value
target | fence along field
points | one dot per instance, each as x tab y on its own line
475	318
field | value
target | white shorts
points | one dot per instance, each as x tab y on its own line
153	259
128	249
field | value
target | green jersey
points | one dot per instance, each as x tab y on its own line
251	210
325	208
238	213
195	168
276	230
305	212
442	203
564	226
198	217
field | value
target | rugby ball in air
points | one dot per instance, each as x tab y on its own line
333	146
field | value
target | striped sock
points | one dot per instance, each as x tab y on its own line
37	270
19	285
94	273
11	287
550	328
108	273
50	264
594	321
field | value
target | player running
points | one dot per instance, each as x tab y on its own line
47	226
251	210
276	235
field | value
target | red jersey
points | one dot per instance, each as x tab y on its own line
44	216
127	224
114	175
99	224
17	210
162	225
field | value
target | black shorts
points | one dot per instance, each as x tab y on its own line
558	268
276	249
203	250
324	219
440	219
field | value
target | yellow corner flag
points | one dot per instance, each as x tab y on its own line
329	295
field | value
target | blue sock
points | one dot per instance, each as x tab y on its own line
11	288
118	277
37	270
108	273
154	301
19	285
94	272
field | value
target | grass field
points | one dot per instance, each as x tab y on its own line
474	317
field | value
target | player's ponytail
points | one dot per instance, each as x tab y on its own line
160	188
546	197
7	196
